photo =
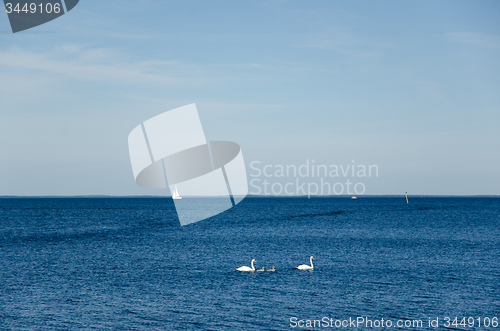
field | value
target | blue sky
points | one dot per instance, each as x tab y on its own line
412	87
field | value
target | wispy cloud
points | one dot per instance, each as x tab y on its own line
476	39
85	63
344	42
82	63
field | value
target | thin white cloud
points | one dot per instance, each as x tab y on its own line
89	65
84	63
346	43
476	39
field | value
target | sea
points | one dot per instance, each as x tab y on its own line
127	264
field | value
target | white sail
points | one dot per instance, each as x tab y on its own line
176	195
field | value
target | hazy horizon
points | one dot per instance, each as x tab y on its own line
253	196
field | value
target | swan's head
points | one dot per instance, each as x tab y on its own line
254	260
312	257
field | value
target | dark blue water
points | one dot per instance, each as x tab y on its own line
126	264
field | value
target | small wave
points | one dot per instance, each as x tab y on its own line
330	213
424	208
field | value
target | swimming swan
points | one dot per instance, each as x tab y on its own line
260	270
272	269
305	266
245	268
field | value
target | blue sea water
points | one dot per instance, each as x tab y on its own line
127	264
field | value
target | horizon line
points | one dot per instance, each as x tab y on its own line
254	196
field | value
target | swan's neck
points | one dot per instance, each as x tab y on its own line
252	265
311	262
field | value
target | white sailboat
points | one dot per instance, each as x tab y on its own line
176	195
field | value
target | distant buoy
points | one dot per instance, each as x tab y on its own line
354	197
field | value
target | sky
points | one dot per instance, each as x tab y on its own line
411	87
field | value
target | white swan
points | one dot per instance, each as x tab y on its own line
245	268
305	266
